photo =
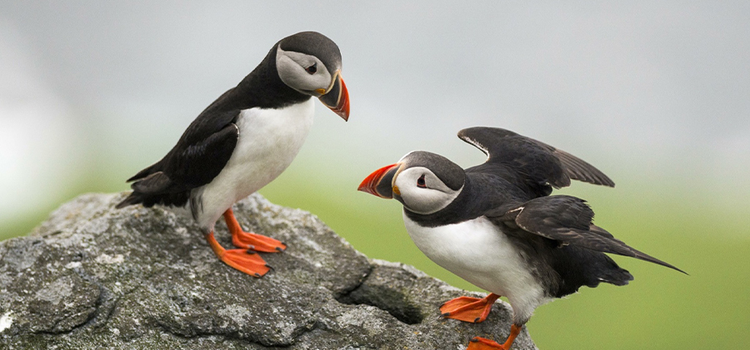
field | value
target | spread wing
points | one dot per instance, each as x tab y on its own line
568	220
538	162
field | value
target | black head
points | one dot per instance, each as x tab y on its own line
423	182
314	44
310	63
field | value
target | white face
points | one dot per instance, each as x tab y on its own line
304	73
422	191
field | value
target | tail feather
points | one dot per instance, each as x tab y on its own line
578	267
176	199
145	172
156	188
132	199
155	183
614	275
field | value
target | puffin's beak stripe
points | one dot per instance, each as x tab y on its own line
336	77
371	182
336	97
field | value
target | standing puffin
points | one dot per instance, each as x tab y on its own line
244	140
496	225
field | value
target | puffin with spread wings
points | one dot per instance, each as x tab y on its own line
497	226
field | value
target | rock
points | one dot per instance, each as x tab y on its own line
93	277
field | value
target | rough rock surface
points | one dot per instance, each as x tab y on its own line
92	277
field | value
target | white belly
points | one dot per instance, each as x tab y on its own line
477	251
268	142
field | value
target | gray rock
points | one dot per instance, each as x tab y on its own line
92	277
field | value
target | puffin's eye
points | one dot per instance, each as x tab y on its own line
312	69
420	182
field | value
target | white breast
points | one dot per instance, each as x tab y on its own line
477	251
268	142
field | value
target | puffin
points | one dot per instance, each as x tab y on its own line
244	140
497	226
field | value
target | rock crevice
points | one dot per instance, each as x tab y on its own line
95	277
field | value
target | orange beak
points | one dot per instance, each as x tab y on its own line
379	183
337	97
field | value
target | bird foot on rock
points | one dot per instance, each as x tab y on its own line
479	343
240	259
256	242
469	309
249	240
484	344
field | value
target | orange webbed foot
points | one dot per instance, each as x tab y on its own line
249	240
254	241
479	343
240	259
469	309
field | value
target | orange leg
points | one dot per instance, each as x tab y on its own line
486	344
249	240
469	309
247	262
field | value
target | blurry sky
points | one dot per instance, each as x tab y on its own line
653	90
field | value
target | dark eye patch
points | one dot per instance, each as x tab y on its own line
420	182
312	69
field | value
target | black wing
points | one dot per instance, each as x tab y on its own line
536	161
197	158
568	220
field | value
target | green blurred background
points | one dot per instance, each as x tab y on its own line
655	94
